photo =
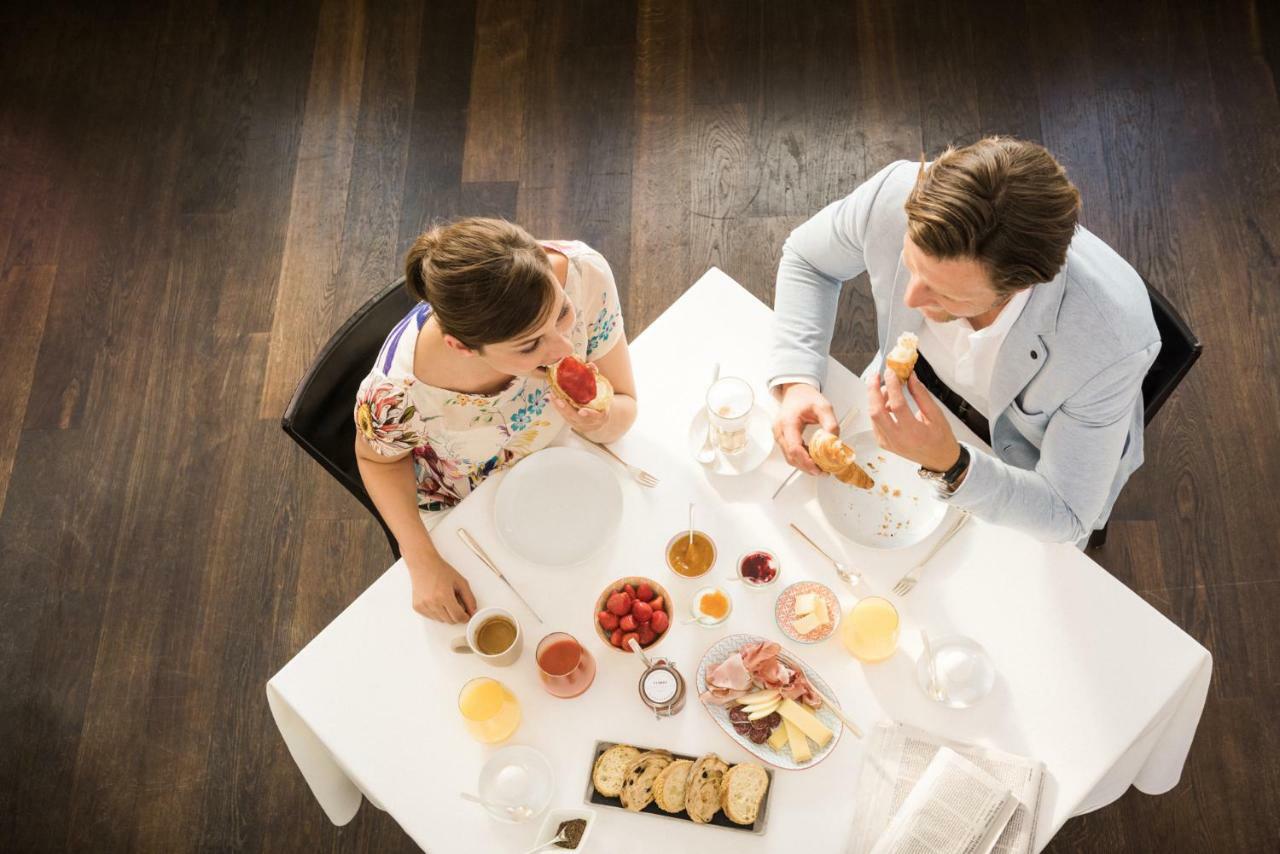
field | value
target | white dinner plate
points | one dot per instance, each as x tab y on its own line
559	506
759	443
902	509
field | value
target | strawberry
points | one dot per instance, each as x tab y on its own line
616	638
657	604
644	592
627	623
631	590
641	611
660	621
626	640
608	620
647	635
618	604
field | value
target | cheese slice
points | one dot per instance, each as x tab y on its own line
805	603
796	741
804	625
804	720
820	608
762	713
778	737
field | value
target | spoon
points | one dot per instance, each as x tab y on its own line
560	837
707	453
690	546
518	813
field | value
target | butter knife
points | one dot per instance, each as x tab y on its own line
470	542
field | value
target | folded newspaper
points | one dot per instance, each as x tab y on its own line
923	794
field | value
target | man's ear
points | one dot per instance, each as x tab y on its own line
458	347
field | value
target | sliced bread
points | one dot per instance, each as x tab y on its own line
742	792
610	769
702	792
637	787
669	787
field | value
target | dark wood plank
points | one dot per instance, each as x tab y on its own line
192	196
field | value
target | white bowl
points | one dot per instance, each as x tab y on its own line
548	831
904	514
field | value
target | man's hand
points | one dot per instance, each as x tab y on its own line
924	436
802	404
439	591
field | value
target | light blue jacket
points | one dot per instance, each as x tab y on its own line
1066	394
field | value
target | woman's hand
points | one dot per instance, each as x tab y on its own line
439	591
585	421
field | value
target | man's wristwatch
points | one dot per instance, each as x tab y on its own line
949	479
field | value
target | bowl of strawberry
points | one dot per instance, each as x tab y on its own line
633	607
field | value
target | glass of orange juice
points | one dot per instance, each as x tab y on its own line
490	710
870	630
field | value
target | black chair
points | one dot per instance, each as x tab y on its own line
1179	349
319	416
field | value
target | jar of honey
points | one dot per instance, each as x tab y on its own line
691	556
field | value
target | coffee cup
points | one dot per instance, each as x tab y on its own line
493	635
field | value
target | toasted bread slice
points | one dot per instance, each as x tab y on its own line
637	788
669	787
610	769
743	791
702	793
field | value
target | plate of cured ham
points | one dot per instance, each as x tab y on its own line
768	701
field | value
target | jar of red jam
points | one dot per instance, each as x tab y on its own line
758	568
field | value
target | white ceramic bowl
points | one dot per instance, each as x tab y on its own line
548	831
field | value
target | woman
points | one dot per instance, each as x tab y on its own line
459	389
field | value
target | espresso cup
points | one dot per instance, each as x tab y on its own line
487	631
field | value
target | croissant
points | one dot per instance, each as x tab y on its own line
902	358
835	457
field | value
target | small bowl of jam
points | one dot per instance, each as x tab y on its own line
711	606
758	568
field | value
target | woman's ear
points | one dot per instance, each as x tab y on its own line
458	346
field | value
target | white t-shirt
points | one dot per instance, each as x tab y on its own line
965	359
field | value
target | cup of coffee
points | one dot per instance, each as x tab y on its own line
493	635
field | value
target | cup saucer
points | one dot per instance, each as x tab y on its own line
759	444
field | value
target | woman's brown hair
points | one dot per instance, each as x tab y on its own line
1004	202
487	280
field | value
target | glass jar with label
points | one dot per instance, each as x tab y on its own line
662	688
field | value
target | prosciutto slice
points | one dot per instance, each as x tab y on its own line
728	681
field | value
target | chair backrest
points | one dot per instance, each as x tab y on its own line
319	417
1179	350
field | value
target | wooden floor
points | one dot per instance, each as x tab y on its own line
194	195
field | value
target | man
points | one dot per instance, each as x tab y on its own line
1031	330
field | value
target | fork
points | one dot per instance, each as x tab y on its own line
845	575
641	476
907	583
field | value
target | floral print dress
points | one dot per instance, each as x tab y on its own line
458	439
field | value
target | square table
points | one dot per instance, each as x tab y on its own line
1092	680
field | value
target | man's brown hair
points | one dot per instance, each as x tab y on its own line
1004	202
487	280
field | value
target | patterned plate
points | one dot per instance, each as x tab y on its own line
785	607
726	647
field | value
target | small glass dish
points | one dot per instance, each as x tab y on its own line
756	557
963	673
519	778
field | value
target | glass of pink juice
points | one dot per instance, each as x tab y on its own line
564	665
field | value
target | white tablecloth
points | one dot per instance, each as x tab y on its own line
1093	681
